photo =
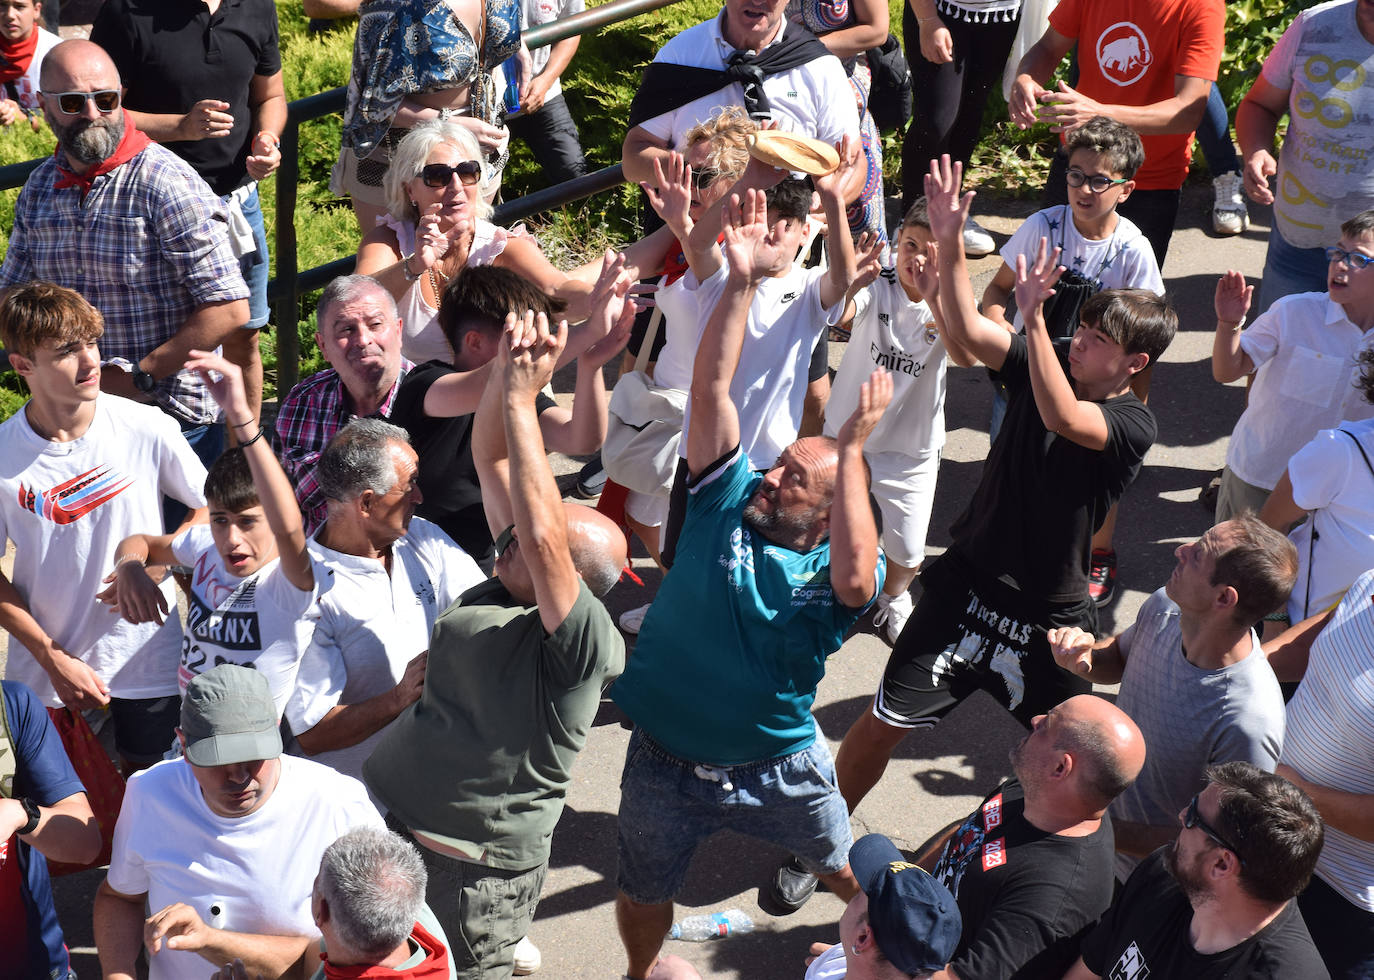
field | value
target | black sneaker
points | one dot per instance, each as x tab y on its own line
1102	577
590	479
792	887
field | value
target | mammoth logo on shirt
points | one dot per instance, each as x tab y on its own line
1131	965
1123	53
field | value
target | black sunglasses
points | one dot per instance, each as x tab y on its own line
504	540
74	103
438	175
1193	819
704	178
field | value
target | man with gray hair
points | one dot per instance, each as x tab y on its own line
369	906
358	330
366	660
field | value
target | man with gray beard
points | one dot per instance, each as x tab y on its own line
136	232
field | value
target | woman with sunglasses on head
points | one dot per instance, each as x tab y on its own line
435	226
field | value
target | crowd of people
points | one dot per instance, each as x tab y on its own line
351	756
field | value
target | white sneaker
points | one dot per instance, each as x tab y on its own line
527	958
894	610
632	619
1229	214
977	241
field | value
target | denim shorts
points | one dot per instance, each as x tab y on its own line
668	806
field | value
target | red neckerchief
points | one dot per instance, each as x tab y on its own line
16	56
433	967
675	262
131	144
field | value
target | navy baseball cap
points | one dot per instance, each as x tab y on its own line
915	919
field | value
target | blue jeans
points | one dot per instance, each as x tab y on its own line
1288	270
1214	136
668	806
255	265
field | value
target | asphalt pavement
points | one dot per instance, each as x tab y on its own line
935	777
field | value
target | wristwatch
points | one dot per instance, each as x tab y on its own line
144	381
31	808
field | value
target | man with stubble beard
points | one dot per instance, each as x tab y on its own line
136	232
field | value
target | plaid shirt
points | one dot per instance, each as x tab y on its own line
145	247
307	419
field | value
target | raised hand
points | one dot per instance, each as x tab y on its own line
850	149
868	260
1232	300
874	396
925	271
749	249
671	193
528	357
947	211
1035	284
612	310
225	383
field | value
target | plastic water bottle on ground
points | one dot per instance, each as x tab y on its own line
699	928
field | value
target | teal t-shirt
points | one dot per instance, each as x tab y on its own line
732	649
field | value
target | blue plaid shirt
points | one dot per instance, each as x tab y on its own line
146	246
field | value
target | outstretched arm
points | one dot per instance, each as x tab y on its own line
1060	409
853	535
225	382
965	327
1232	302
843	267
714	427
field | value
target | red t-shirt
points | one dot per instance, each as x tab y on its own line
1128	54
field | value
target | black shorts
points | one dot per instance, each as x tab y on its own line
145	728
820	359
967	634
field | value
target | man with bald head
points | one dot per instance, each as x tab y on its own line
133	229
477	771
1031	867
358	329
771	571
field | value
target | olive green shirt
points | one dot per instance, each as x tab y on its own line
482	761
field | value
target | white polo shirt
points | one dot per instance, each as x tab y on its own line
814	99
1304	349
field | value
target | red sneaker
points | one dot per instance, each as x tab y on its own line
1102	577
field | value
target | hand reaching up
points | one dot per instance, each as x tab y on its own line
874	396
947	210
671	193
749	249
225	383
1232	300
613	310
530	352
925	272
1035	284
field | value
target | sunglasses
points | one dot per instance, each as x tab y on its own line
504	540
704	178
438	175
74	103
1356	260
1193	819
1097	183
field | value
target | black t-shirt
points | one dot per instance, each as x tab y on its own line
448	476
1145	933
171	54
1026	896
1041	496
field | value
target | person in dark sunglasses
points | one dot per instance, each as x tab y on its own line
1218	901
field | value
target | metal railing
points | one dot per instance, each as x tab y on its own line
291	282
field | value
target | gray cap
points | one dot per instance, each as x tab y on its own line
228	716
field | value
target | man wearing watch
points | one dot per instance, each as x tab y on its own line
135	231
43	808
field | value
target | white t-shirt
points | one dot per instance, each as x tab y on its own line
1122	260
892	332
261	621
1330	736
66	506
1331	479
361	644
830	965
250	874
26	86
769	387
1324	64
1304	349
814	99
